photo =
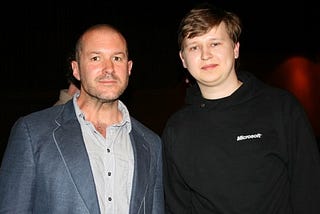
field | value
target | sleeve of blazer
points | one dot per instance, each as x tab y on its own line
17	172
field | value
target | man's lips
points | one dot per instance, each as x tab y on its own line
211	66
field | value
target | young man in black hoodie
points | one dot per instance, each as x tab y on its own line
239	145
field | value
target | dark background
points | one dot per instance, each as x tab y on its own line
280	44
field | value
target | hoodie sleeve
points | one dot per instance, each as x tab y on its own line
177	193
304	164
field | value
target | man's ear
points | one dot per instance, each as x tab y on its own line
182	59
75	69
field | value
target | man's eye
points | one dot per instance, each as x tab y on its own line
95	58
117	58
215	44
193	48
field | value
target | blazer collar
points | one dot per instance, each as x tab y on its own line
73	152
142	170
76	159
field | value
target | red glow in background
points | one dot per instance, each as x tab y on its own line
301	76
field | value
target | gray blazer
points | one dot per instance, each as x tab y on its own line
46	169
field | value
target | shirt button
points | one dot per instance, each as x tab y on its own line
109	173
109	199
108	150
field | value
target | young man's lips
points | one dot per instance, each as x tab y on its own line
209	66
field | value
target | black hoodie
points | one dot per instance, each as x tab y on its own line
253	152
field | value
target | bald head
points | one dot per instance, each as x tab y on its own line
97	30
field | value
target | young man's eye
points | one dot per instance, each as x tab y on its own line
215	44
193	48
95	58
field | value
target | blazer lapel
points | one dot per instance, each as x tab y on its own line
70	142
141	172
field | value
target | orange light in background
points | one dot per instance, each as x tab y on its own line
301	76
299	80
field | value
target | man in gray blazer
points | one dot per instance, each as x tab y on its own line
88	155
